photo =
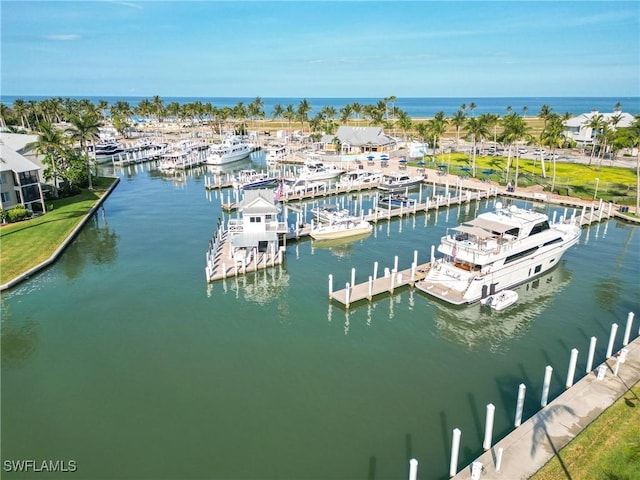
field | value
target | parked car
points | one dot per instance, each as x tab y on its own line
538	151
522	150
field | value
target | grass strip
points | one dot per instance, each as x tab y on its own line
608	449
23	245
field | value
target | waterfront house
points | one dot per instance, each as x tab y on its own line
258	225
578	129
20	177
359	140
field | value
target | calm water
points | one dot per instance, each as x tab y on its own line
122	358
415	107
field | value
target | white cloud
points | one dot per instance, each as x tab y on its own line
63	37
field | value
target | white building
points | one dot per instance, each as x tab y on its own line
20	177
258	227
578	128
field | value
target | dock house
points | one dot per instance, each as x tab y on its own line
258	226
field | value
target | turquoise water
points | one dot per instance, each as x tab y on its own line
122	358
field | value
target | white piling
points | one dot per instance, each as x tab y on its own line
488	426
592	350
375	270
499	459
330	285
627	330
522	389
413	469
370	287
612	338
433	254
353	276
572	367
395	263
346	295
393	279
415	257
545	386
455	448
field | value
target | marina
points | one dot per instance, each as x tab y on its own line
269	355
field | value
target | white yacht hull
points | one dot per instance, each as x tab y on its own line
227	158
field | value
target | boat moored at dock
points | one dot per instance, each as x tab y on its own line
230	150
350	227
399	182
496	251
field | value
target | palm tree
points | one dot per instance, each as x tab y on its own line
436	127
477	128
458	120
515	130
278	111
545	114
303	111
553	136
472	107
50	143
596	123
85	128
345	113
158	108
404	122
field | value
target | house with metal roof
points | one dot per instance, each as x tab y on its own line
578	129
258	225
359	140
20	177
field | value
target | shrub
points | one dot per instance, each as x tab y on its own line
17	214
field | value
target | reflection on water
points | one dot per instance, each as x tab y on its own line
17	339
476	325
98	244
262	287
340	247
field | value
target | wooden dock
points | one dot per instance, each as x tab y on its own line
385	284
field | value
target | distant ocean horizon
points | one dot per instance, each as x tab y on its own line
415	107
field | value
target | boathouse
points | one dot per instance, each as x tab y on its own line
258	225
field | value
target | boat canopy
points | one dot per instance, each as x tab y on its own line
479	233
490	225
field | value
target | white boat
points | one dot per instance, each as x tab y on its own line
399	182
330	213
249	179
396	200
359	178
353	227
275	153
313	170
501	300
230	150
297	186
496	251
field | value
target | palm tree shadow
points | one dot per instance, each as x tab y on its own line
540	432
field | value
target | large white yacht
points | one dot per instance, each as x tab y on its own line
496	251
230	150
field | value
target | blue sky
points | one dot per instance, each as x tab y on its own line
320	49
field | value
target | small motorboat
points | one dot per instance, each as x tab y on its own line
352	227
501	300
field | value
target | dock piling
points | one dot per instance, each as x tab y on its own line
488	427
592	349
572	367
455	448
522	389
612	338
413	469
627	330
545	386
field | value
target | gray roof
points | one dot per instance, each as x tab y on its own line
17	141
258	202
10	160
363	136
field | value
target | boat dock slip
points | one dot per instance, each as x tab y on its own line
387	283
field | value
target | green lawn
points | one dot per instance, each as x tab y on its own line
23	246
608	449
574	179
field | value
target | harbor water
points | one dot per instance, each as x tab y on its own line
121	358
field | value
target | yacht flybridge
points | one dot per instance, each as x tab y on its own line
496	251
